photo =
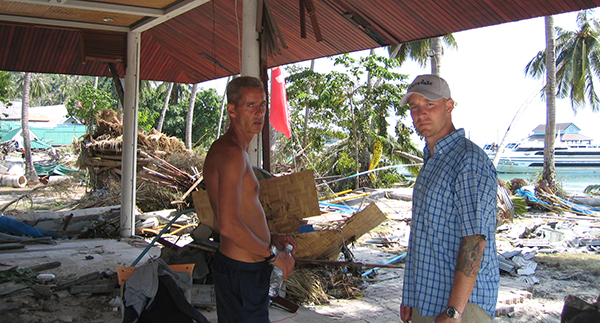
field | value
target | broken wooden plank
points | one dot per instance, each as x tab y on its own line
198	181
363	222
344	263
46	266
79	280
10	287
11	246
287	305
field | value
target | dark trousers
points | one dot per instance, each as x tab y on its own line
242	290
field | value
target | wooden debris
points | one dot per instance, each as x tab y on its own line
158	155
288	199
343	263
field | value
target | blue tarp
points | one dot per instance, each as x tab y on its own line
18	228
580	208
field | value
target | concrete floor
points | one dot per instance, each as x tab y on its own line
79	257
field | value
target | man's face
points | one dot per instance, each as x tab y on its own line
249	112
430	118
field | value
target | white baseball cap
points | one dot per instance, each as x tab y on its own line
430	86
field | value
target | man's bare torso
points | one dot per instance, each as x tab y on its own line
250	212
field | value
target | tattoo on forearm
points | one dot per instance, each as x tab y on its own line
470	254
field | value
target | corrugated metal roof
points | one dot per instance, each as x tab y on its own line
74	38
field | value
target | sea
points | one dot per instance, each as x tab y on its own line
572	182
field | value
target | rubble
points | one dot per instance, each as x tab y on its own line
165	167
377	219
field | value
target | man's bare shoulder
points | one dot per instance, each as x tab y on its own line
222	152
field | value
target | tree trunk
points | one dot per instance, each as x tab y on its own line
369	76
436	58
163	112
549	168
30	172
307	109
190	118
223	105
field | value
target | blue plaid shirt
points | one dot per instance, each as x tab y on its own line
454	197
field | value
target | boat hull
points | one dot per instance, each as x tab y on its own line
573	162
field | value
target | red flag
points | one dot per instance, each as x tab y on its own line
279	115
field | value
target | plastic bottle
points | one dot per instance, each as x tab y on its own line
277	276
276	281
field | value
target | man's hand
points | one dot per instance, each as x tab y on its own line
285	262
281	241
405	313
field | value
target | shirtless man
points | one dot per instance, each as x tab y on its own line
242	265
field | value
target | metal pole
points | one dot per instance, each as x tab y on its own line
130	122
251	64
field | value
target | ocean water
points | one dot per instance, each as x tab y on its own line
572	182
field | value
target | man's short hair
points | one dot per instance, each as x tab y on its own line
234	93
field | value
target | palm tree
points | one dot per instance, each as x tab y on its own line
163	112
38	87
30	172
190	117
549	171
577	63
424	51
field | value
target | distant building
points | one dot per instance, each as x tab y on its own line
49	124
566	132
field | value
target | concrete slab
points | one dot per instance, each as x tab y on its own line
79	257
303	315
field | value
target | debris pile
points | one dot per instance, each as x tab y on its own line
166	169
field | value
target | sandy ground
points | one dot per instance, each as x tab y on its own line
542	302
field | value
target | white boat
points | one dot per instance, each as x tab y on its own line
573	152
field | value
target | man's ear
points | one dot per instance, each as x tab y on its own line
231	110
449	105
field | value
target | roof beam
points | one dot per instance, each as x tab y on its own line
170	13
98	6
61	23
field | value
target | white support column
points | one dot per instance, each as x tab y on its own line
251	65
130	127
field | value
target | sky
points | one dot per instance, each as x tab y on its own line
486	78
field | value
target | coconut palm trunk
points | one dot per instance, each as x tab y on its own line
549	172
436	58
30	172
163	112
190	118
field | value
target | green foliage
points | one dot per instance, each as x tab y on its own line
519	204
146	119
206	115
347	112
418	50
577	62
49	89
592	190
88	102
4	86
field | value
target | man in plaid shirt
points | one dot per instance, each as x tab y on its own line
452	271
